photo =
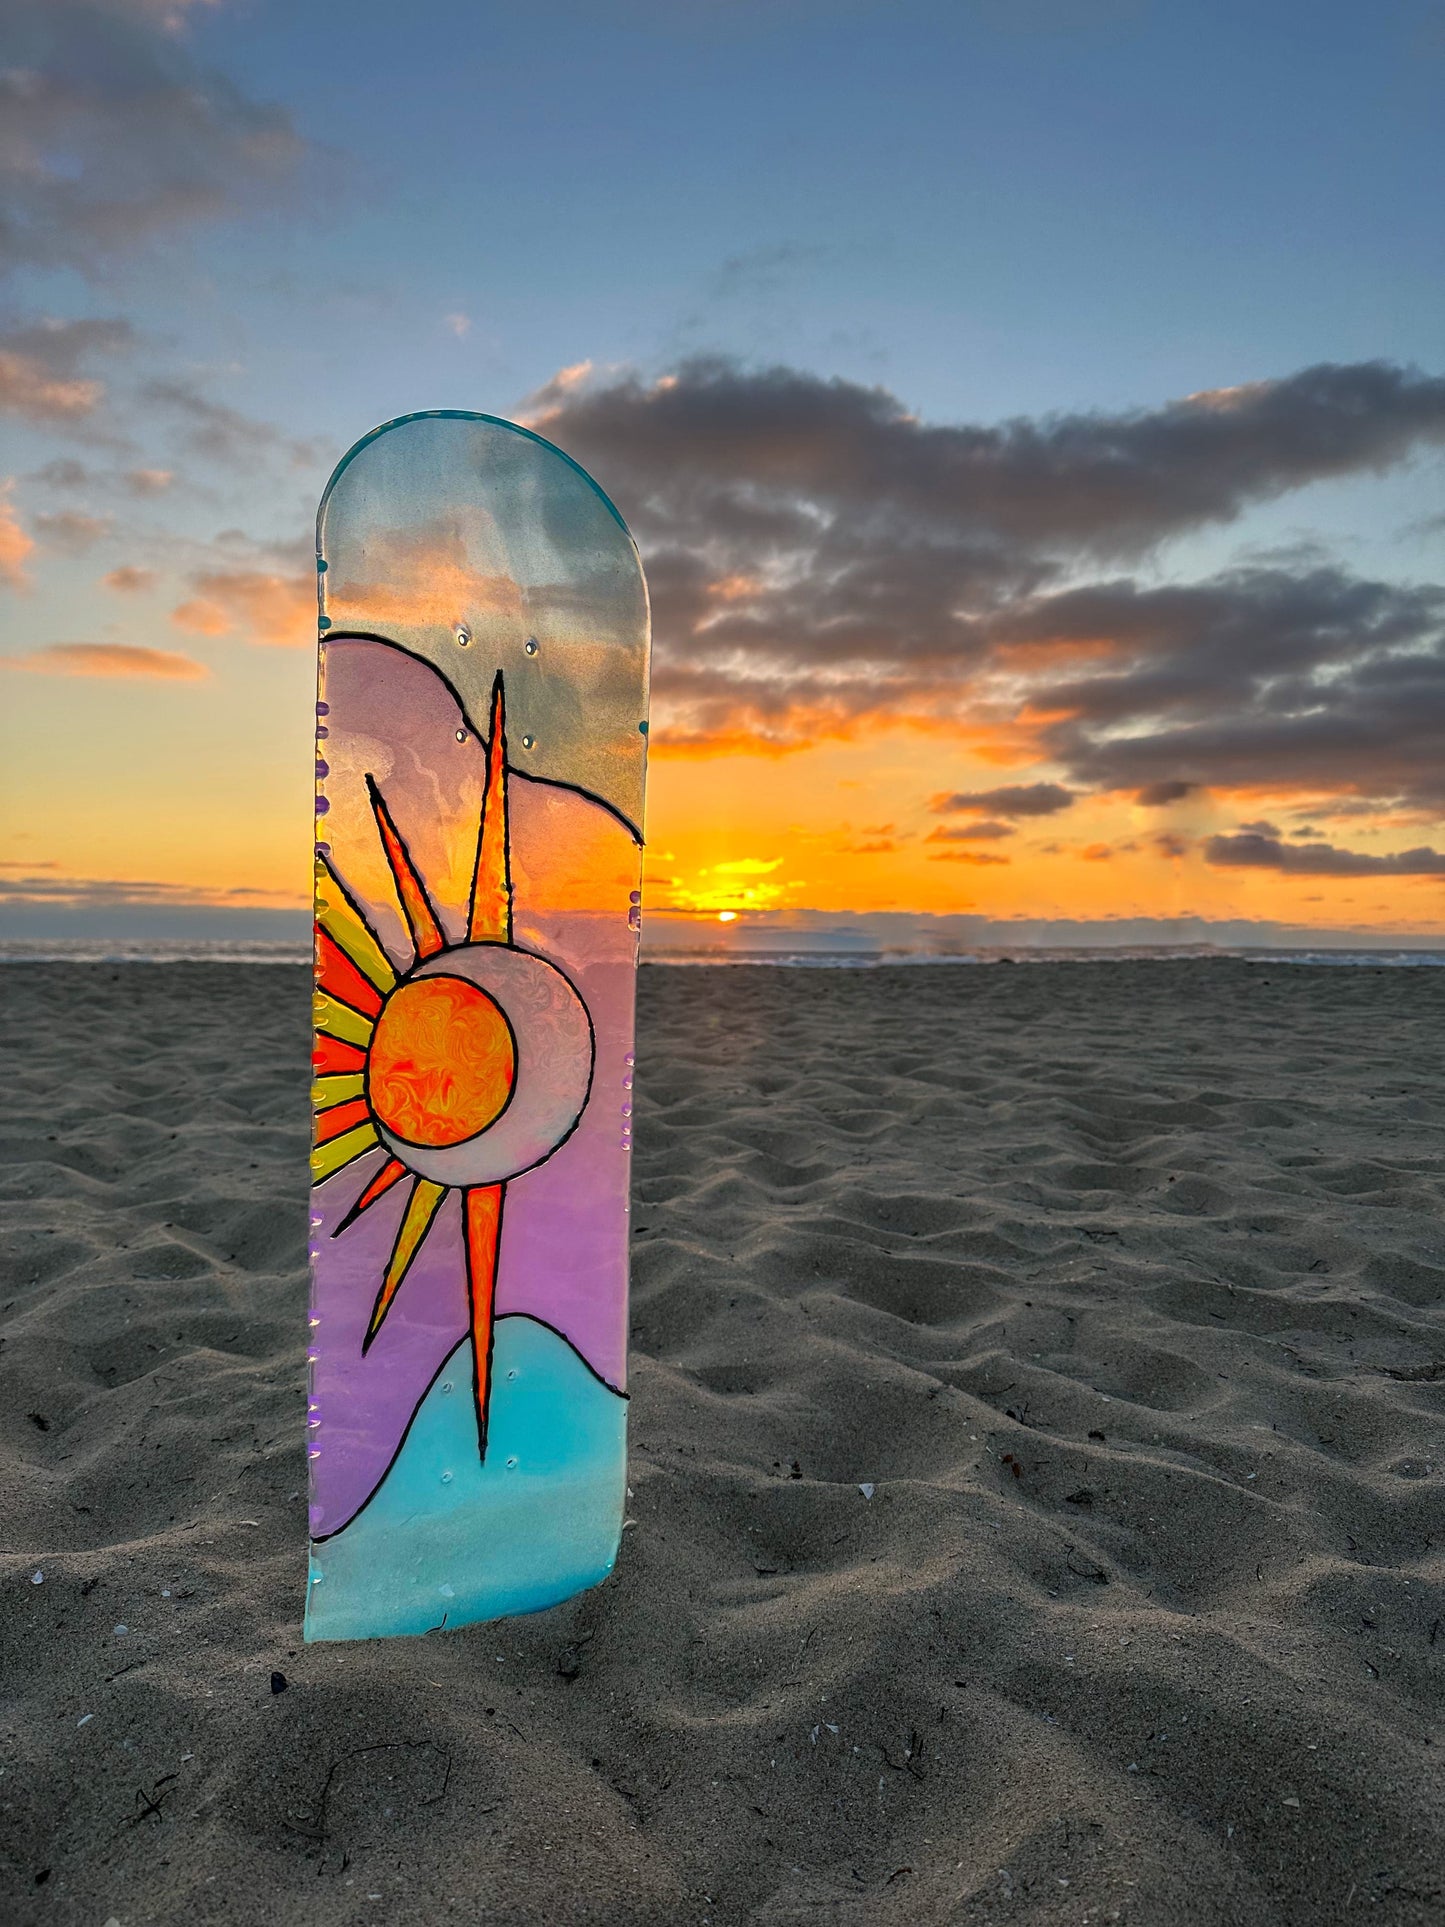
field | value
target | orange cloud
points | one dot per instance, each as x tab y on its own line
201	618
267	607
110	659
129	580
15	544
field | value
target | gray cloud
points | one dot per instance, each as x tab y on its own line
113	135
105	893
984	832
1156	795
221	434
819	557
1258	677
780	438
1251	852
1012	799
72	533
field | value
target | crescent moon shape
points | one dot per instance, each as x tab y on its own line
555	1049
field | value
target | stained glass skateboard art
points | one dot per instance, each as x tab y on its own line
480	762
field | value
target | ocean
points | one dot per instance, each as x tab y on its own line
791	957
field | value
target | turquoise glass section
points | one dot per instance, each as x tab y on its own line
448	1539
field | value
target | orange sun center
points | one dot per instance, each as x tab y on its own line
442	1062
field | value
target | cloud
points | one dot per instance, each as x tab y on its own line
149	481
41	368
1256	678
268	606
130	580
64	472
115	136
1013	799
109	659
220	433
72	533
822	559
103	893
979	858
1261	828
985	832
1318	859
760	274
712	428
459	324
1154	796
15	544
69	476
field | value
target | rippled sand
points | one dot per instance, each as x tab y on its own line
1119	1288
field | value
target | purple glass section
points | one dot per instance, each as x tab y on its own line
563	1256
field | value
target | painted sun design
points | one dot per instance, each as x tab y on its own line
467	1068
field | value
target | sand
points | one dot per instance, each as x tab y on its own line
1036	1473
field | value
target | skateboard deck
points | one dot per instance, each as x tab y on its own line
480	762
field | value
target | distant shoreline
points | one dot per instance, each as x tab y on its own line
84	950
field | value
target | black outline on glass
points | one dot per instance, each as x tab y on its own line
435	976
373	1323
549	782
386	821
590	1368
499	707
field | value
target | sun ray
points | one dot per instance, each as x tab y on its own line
330	1057
341	1118
490	917
390	1173
327	1091
482	1208
327	1159
349	930
421	1208
335	1019
421	920
336	973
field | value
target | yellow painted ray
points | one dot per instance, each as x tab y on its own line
327	1091
421	1207
334	1019
328	1159
340	921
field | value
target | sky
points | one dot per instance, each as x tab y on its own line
1031	414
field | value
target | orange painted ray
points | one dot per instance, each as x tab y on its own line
491	911
483	1224
332	1058
489	921
421	1209
340	978
340	1118
392	1172
416	907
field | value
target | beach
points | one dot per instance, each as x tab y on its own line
1036	1472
